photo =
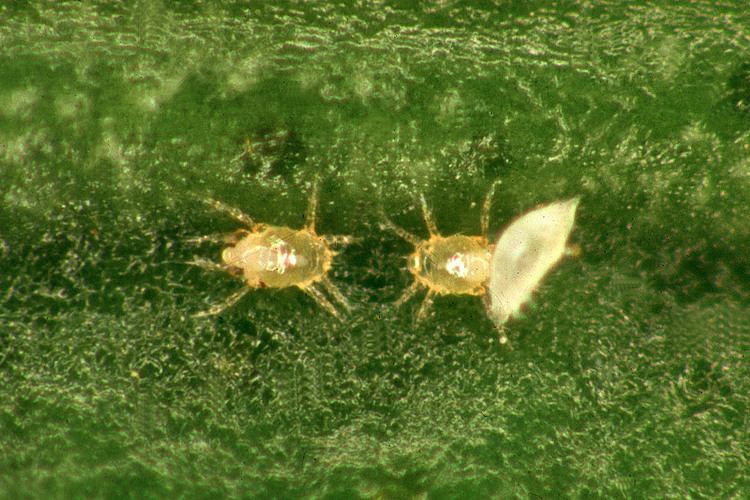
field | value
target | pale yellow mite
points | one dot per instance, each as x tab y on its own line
266	256
446	265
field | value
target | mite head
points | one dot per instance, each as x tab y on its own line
419	260
251	259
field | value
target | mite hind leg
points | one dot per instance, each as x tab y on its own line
229	302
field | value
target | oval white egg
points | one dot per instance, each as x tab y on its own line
523	255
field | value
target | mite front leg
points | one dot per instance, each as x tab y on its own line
402	233
235	213
340	239
336	293
208	265
318	296
424	309
408	293
428	219
485	218
221	238
312	208
229	302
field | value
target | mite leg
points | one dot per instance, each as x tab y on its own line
208	265
424	309
246	150
312	208
485	220
340	239
229	302
235	213
225	238
428	219
403	233
336	293
408	293
213	238
318	296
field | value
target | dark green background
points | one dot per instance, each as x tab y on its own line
628	376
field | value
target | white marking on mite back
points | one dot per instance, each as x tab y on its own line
285	257
456	266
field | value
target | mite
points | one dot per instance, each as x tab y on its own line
446	265
266	256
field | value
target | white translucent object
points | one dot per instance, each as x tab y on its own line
525	252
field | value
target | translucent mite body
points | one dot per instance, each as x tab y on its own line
266	256
446	265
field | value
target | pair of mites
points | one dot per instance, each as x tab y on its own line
505	273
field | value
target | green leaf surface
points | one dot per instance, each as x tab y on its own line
628	376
